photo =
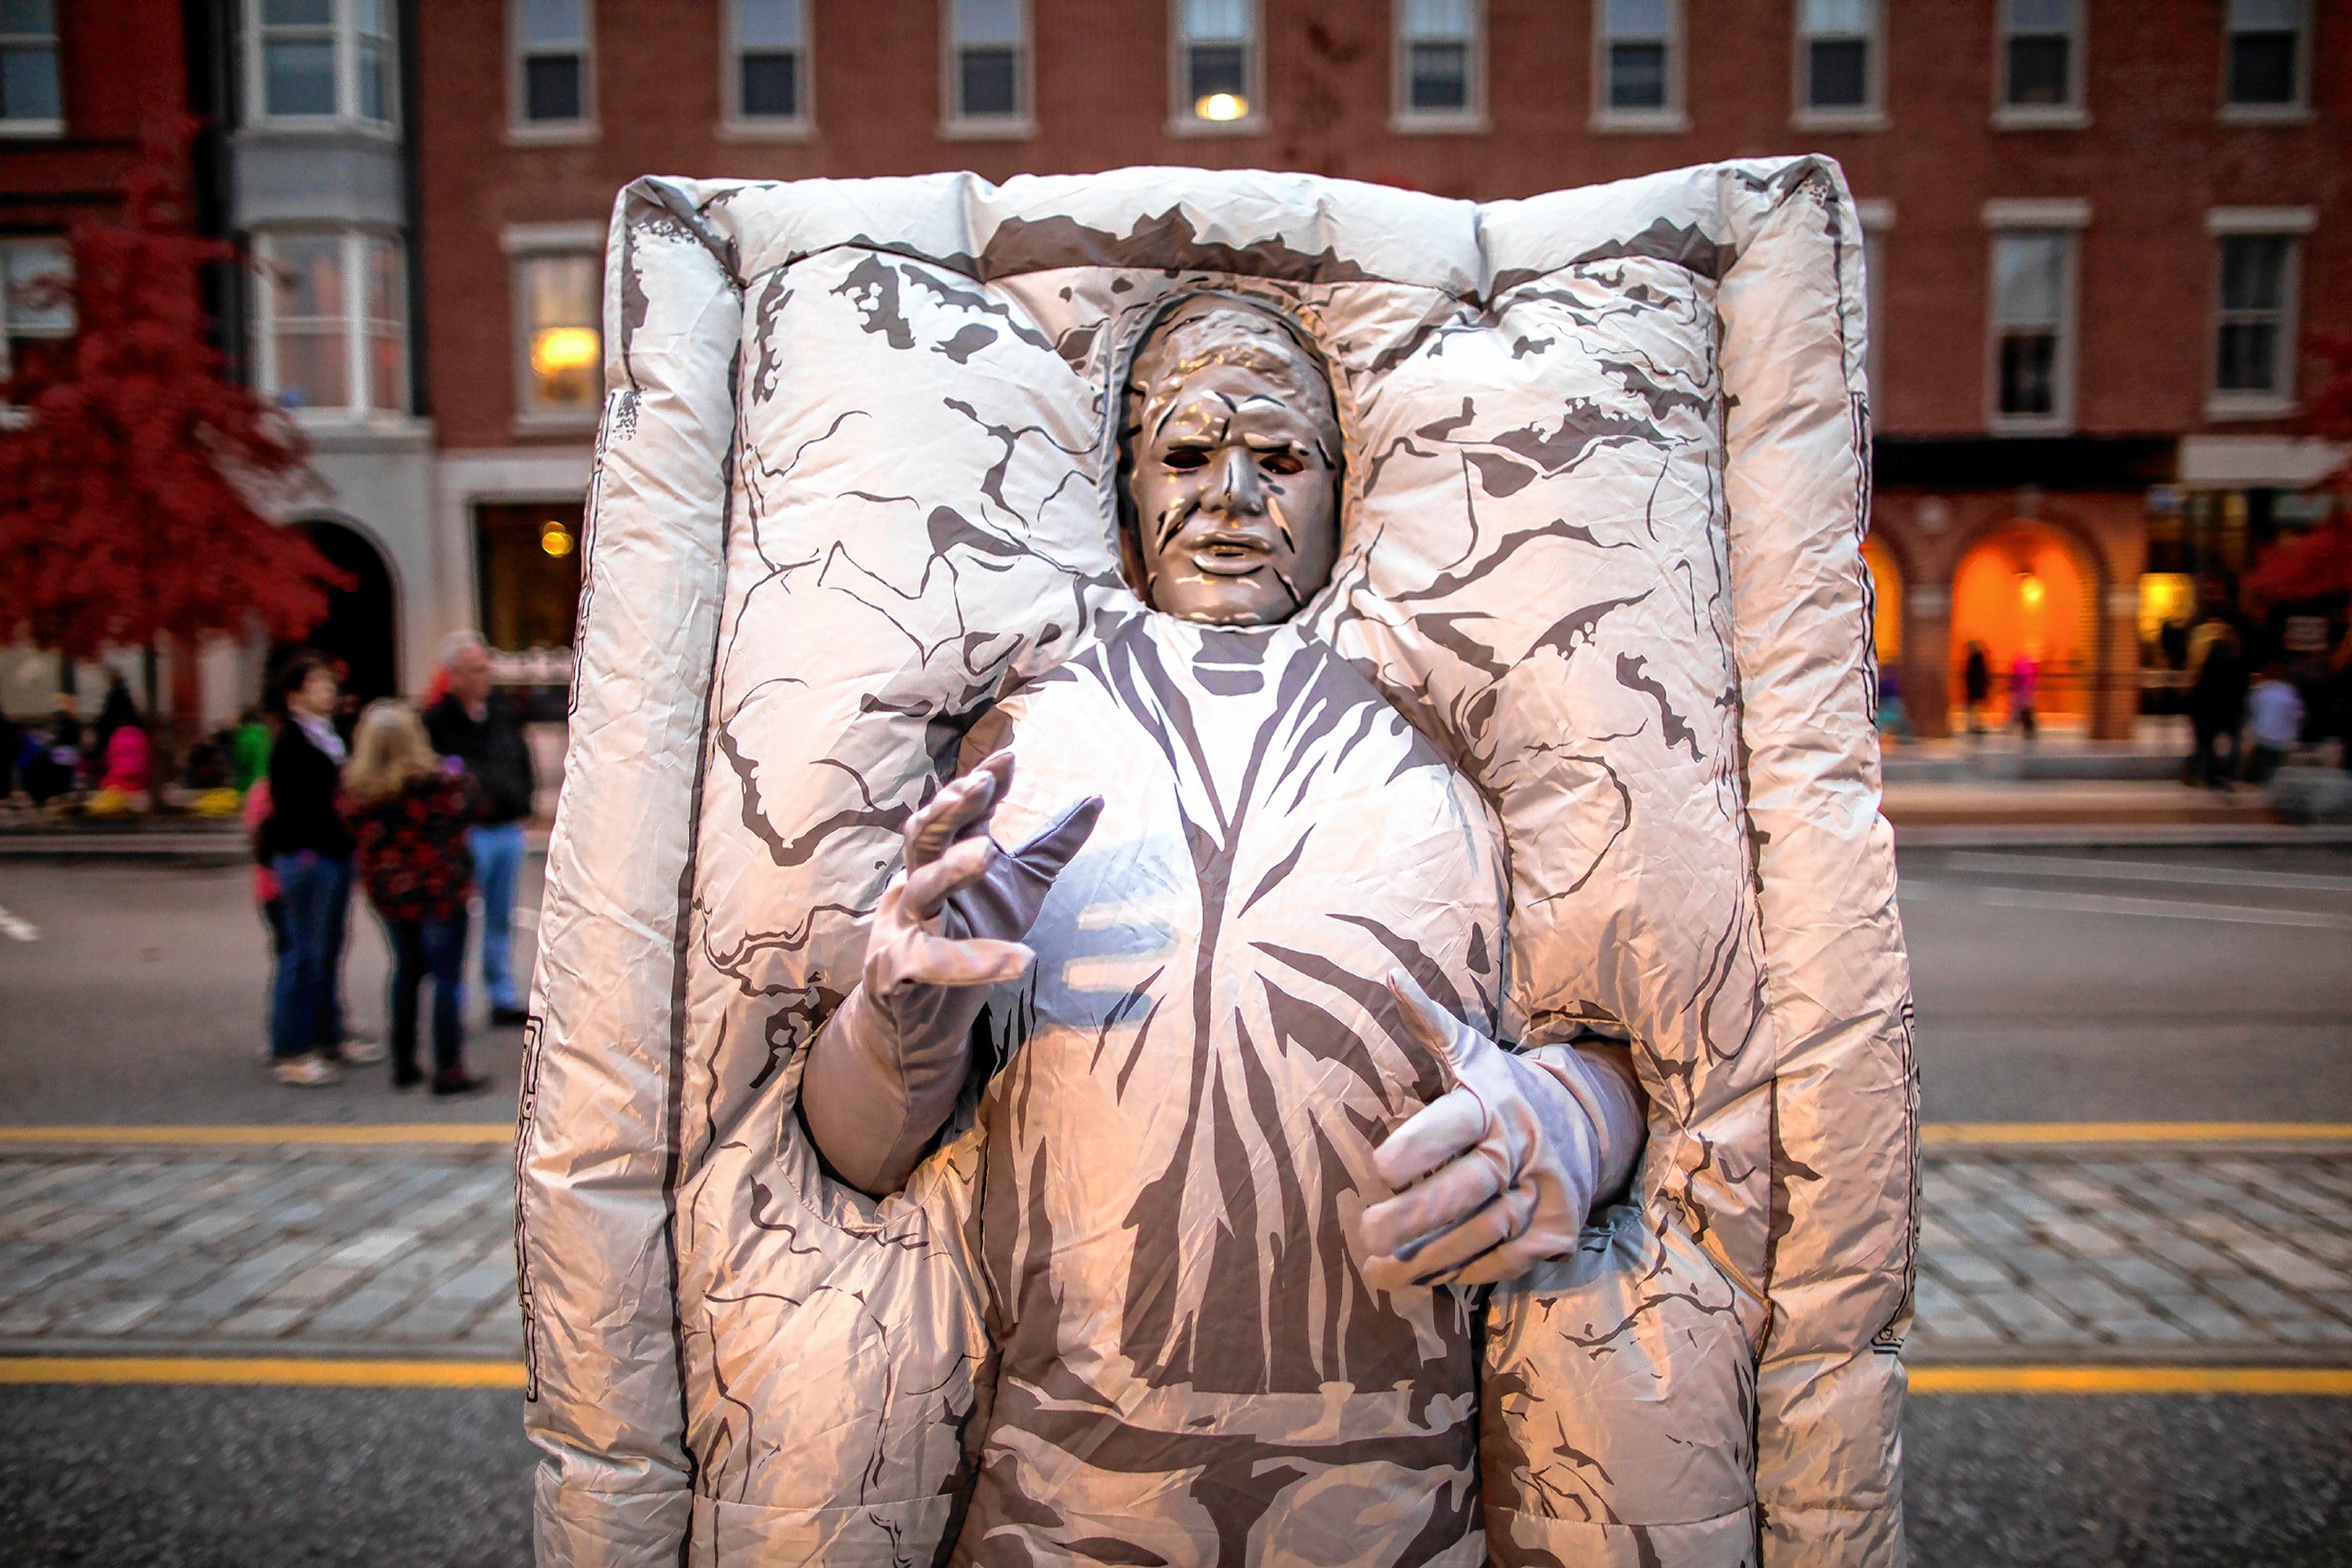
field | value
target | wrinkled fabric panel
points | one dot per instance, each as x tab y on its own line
1845	1101
594	1158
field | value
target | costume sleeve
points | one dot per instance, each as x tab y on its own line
598	1158
1844	1102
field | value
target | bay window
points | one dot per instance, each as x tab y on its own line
321	62
332	323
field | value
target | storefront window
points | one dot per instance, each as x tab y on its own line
527	558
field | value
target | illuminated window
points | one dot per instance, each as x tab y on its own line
2041	55
2266	68
551	63
1437	59
1837	59
769	59
1216	49
987	61
30	103
35	311
563	347
333	323
1638	76
2032	289
323	60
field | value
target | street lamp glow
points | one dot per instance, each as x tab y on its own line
555	539
554	349
1222	106
2031	591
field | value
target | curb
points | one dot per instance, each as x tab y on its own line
2116	836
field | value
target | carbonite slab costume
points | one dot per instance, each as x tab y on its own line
1595	655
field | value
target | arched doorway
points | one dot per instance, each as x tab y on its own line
2023	589
1886	598
361	623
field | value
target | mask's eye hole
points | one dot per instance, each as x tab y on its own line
1281	461
1185	458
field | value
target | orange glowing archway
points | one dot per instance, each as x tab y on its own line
2022	589
1886	586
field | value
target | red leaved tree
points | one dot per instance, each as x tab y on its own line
132	468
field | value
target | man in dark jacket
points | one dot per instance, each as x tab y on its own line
481	727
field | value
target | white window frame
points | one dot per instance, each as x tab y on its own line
1669	118
2293	114
360	404
9	331
346	38
54	38
1471	118
734	126
1868	115
1878	216
957	125
521	129
1181	120
2075	114
2063	216
2293	224
524	242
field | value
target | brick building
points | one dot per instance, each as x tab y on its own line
2096	229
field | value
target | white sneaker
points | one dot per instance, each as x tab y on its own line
358	1050
314	1071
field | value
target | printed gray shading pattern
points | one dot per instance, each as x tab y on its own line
1579	737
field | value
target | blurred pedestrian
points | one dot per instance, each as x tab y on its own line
409	816
479	725
1976	686
116	710
1894	719
248	748
2025	693
2335	695
307	851
2217	710
2274	722
54	769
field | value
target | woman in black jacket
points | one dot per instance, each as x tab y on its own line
307	849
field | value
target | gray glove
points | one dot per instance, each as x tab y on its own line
884	1071
1498	1172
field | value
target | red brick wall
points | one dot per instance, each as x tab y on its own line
2152	159
120	62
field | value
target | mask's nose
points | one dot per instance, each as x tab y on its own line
1235	490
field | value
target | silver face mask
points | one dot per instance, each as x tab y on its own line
1232	466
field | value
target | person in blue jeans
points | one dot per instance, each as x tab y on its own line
309	852
481	727
409	814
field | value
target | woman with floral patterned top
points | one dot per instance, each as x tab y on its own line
408	813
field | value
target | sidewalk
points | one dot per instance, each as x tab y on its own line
2197	1255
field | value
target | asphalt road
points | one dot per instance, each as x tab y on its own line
182	1477
2155	985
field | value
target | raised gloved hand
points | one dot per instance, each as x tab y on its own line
1498	1172
884	1071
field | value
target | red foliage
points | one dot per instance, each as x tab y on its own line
132	467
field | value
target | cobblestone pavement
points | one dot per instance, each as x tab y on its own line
2236	1254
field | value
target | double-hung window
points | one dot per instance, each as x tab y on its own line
559	315
1216	64
36	308
2258	265
767	64
555	78
2041	63
2266	60
1837	64
30	103
988	65
1437	62
1637	65
2032	328
322	61
333	323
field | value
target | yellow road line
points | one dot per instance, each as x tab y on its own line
266	1371
265	1133
2136	1133
2307	1380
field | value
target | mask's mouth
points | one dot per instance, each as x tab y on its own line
1227	552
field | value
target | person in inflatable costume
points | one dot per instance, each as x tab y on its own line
1226	1260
